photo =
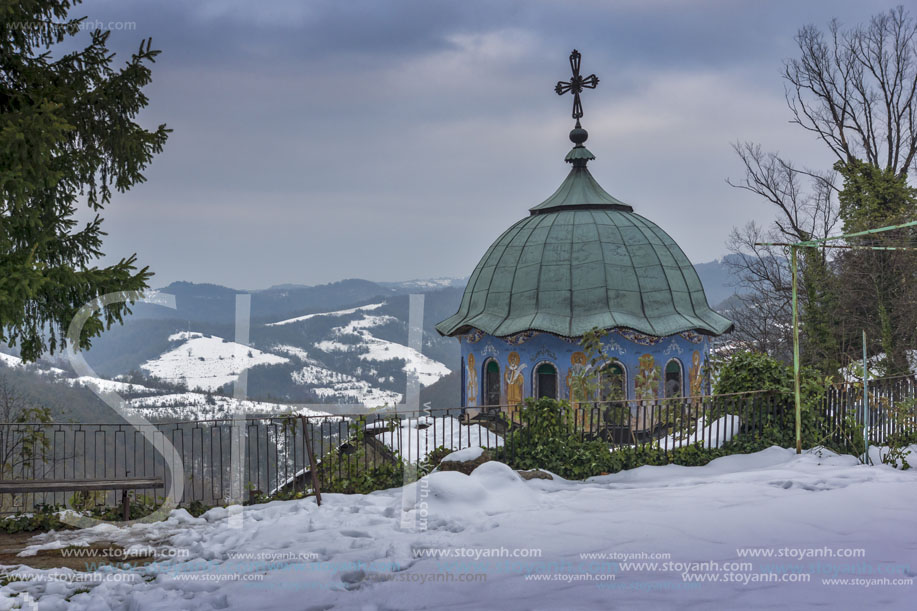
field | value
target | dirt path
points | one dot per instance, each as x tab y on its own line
77	558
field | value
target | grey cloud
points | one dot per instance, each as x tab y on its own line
320	140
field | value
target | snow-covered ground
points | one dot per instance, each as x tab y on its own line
206	362
854	372
416	437
761	531
712	435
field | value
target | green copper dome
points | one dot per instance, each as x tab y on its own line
584	259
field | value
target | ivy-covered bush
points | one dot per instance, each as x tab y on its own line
48	517
355	474
757	372
751	371
549	440
43	518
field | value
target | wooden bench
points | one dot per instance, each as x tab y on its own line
13	486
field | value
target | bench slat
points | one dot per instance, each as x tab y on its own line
78	485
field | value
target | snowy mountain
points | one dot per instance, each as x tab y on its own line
344	342
152	401
206	362
353	354
430	284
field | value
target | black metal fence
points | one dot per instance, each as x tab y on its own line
272	454
890	408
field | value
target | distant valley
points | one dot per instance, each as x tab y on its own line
340	343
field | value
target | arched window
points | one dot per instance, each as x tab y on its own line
546	381
491	383
613	382
674	379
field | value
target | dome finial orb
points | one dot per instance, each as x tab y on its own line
578	135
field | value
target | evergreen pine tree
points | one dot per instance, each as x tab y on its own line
67	139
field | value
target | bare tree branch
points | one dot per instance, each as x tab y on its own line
857	89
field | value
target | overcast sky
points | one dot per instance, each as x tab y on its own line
322	140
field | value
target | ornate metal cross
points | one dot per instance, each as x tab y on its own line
576	85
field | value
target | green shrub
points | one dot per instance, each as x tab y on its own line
750	371
432	460
43	518
548	440
899	449
354	474
754	371
350	470
197	508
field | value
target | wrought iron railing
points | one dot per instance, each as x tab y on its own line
276	453
890	403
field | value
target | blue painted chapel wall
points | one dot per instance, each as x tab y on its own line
625	346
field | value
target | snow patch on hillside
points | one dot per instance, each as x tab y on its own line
334	385
207	362
290	321
200	406
43	368
427	284
158	404
9	360
428	371
102	385
293	351
358	391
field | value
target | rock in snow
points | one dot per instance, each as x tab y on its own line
466	455
465	461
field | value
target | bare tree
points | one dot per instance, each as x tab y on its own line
806	208
11	402
20	444
856	89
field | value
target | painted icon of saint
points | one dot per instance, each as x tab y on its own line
577	365
695	375
646	382
513	378
471	387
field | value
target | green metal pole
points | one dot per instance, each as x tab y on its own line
865	404
860	233
796	355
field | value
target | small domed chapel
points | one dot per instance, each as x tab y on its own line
580	260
